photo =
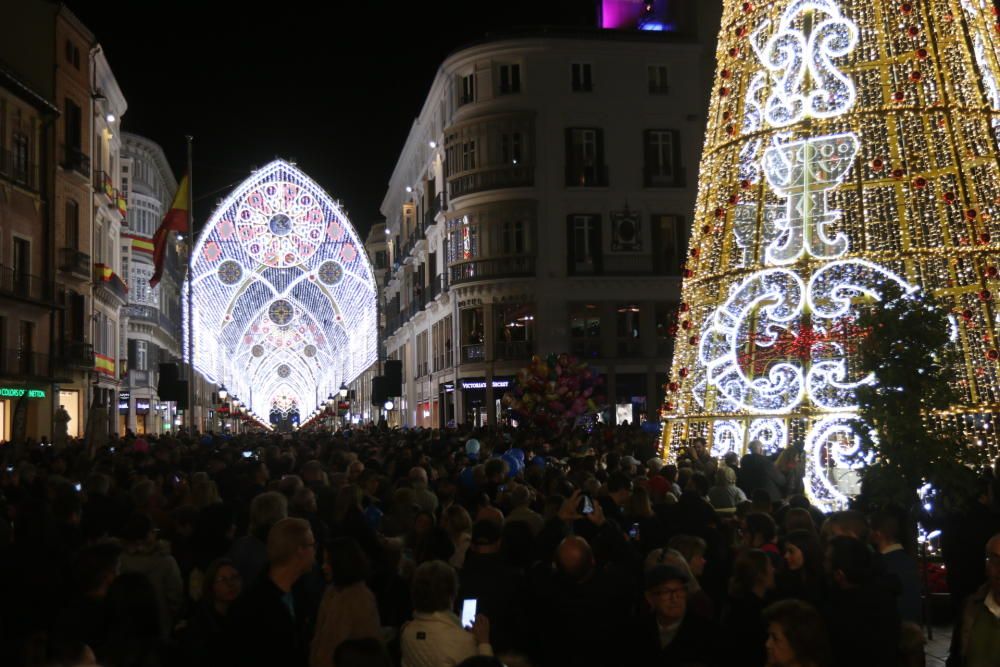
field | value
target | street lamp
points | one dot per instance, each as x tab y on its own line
223	394
343	390
388	405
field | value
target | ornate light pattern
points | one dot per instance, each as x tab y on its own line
850	143
284	298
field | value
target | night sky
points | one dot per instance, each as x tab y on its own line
333	86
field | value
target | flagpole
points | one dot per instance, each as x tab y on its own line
190	319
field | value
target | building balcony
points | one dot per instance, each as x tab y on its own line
513	350
103	185
437	206
76	160
76	355
438	286
492	269
74	262
473	353
151	315
140	379
19	363
23	286
105	278
491	178
15	168
122	205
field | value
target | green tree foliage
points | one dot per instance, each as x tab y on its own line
907	347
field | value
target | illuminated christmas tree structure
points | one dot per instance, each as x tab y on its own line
850	144
284	297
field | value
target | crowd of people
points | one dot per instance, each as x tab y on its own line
431	548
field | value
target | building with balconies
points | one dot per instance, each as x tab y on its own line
154	313
51	55
540	205
110	288
27	290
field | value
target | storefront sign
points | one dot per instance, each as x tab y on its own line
123	399
13	392
142	406
481	384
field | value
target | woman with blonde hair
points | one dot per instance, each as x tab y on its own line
725	494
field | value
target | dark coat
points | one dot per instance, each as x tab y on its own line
759	472
498	589
696	644
868	616
263	631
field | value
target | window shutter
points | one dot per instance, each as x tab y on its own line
675	144
570	259
602	169
595	244
571	167
131	355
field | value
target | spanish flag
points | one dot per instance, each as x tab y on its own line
176	220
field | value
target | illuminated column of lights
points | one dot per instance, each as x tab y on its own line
850	143
284	301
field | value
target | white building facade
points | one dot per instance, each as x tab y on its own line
154	314
110	211
540	206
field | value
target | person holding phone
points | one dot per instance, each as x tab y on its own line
435	636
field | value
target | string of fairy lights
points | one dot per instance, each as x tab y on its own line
850	143
284	297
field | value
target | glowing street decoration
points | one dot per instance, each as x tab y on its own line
838	195
808	84
284	296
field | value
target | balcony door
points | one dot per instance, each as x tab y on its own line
22	265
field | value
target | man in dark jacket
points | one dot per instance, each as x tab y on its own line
860	607
496	586
270	625
670	635
759	472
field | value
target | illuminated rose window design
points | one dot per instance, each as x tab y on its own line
284	299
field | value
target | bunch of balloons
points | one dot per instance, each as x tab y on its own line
554	392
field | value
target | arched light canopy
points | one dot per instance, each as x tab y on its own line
284	297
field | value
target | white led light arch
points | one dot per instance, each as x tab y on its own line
284	297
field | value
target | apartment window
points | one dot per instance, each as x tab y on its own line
20	164
669	243
581	79
469	155
515	330
585	157
628	330
421	369
141	355
468	89
25	347
584	244
665	319
585	330
510	79
662	152
22	265
72	54
510	148
512	237
74	124
657	79
381	259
